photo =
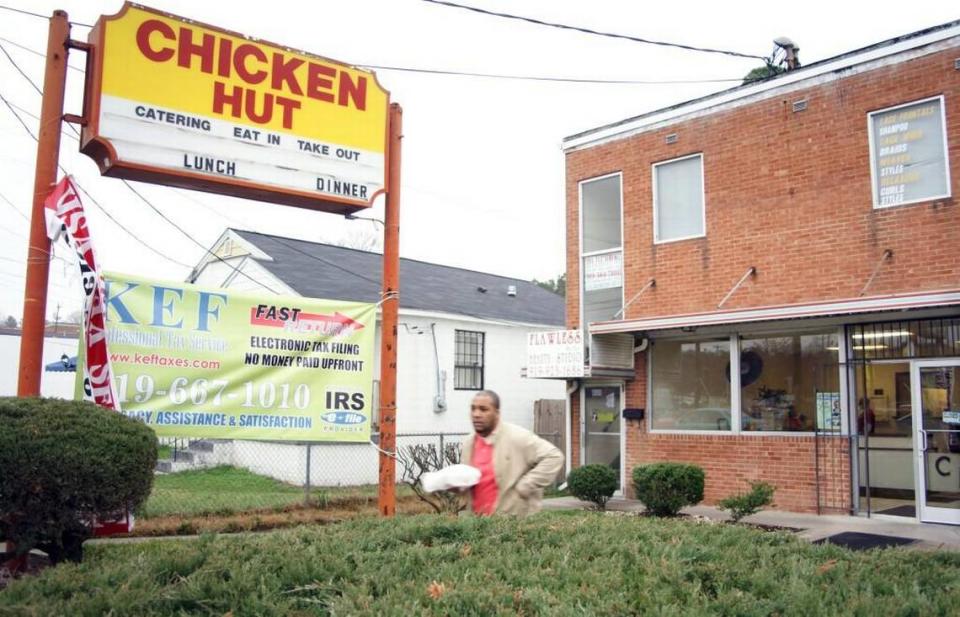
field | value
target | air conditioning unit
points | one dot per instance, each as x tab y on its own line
611	351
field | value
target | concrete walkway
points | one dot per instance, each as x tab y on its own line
929	536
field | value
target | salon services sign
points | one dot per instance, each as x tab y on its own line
191	361
176	102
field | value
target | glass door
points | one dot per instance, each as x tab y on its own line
601	426
936	394
885	435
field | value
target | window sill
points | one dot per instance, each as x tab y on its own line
672	240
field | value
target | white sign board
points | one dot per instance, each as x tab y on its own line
555	354
908	154
176	102
603	271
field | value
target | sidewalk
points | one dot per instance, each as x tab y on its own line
928	536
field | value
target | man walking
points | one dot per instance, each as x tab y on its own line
515	464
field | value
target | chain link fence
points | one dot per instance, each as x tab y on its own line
220	477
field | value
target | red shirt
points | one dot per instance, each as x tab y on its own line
485	491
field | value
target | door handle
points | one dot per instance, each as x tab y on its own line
923	445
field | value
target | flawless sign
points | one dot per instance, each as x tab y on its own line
180	103
555	354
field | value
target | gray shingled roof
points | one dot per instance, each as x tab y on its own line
325	271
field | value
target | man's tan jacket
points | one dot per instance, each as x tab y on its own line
523	465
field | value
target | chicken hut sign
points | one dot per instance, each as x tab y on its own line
179	103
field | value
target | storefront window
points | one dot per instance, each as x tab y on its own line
789	382
690	385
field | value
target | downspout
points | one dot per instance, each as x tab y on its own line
439	400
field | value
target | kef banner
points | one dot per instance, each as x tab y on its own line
195	362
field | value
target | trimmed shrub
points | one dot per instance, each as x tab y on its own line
757	498
594	483
62	463
665	488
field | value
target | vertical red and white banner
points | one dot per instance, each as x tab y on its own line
65	218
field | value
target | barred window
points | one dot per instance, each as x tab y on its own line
468	361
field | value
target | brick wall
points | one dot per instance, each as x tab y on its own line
789	462
730	462
788	193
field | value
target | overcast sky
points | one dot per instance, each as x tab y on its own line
482	165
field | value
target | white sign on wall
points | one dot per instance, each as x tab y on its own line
603	271
908	153
555	354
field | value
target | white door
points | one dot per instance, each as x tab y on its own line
936	405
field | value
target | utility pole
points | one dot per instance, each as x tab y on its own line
45	178
387	500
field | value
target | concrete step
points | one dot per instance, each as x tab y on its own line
170	466
201	445
183	456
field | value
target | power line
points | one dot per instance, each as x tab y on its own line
37	53
41	16
19	70
556	79
15	208
574	80
89	196
636	39
17	116
175	225
145	200
195	241
324	261
22	12
137	193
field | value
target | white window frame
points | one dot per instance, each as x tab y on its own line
735	391
703	199
946	153
623	265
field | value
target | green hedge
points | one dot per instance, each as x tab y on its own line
563	564
741	505
665	488
594	483
61	464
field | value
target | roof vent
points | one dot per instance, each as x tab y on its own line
672	138
800	105
512	290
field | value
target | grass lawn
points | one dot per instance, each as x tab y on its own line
229	490
217	490
568	563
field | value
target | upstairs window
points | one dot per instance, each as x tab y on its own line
468	360
908	153
601	250
678	204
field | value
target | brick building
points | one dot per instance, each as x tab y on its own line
805	229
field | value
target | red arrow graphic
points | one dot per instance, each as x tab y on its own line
338	323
